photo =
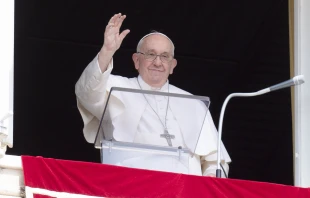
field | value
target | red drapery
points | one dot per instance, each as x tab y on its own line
47	177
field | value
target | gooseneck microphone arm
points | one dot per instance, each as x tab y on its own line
263	91
297	80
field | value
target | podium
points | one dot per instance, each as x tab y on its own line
151	130
46	177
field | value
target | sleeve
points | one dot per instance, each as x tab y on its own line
91	93
209	166
207	148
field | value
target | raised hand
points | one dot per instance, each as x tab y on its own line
112	40
112	36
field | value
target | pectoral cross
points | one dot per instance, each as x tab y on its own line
167	136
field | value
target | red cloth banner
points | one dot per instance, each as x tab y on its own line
46	178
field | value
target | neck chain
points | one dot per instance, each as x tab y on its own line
166	134
163	123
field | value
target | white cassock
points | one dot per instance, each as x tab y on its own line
144	122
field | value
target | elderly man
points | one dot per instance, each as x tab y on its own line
154	61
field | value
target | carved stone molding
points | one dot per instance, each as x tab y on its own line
3	136
11	177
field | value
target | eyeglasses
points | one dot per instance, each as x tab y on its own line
150	56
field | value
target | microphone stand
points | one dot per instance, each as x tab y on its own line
263	91
297	80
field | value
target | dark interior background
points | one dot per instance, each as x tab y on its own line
222	47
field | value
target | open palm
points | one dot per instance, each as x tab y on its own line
112	36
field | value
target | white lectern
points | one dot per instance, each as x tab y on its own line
168	148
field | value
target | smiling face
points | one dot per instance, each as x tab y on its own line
155	73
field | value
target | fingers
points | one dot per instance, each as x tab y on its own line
116	19
119	20
112	36
111	23
115	23
123	34
112	20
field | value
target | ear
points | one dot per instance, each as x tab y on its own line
174	63
135	58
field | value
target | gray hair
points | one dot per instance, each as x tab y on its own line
152	33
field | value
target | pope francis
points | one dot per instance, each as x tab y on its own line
154	60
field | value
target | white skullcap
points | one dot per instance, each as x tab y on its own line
153	33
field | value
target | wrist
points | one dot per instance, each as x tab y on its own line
104	58
107	51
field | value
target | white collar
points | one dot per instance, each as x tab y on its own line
146	86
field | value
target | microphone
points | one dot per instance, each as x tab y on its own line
297	80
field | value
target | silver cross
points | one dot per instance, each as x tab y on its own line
168	137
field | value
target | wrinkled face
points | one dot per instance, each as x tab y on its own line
155	73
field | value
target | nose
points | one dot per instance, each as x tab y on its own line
157	61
